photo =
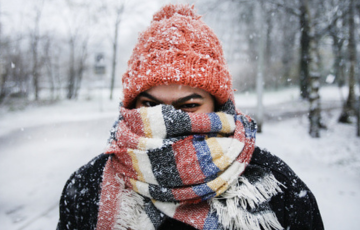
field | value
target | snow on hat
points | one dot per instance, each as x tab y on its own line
177	48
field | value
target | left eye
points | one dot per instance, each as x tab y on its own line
189	106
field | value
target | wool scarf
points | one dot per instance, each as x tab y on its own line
187	166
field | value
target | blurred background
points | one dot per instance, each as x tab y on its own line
295	66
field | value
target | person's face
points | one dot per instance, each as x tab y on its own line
182	97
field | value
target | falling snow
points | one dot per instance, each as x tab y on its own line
41	147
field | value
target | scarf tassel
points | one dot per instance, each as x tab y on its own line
131	213
234	216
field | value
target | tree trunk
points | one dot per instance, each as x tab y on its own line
314	99
35	73
71	76
358	117
35	52
338	65
115	42
34	49
349	106
49	70
312	71
267	48
260	70
288	54
338	42
252	35
305	49
81	68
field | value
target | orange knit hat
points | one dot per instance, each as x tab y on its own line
177	48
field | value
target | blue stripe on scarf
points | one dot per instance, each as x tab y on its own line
204	156
216	124
202	190
211	221
208	196
250	127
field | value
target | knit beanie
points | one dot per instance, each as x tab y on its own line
177	48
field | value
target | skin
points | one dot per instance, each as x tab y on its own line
186	98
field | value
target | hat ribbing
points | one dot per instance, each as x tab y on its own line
177	48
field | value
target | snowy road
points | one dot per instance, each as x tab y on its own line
34	165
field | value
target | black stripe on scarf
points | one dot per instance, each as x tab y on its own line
161	193
155	216
172	118
164	166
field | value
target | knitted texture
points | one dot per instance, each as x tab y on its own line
177	48
177	159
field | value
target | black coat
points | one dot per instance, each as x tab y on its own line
295	208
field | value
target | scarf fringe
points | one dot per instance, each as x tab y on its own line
131	213
233	216
253	194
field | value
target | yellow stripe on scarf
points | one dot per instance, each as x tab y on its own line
135	163
142	143
226	127
146	122
133	183
220	160
218	185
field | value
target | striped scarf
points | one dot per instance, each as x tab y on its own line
167	162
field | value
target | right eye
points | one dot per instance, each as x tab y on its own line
149	103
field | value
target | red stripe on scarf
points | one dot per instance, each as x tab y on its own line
134	122
249	146
126	138
185	194
193	214
123	163
200	127
187	162
108	203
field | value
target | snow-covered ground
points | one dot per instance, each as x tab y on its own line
41	146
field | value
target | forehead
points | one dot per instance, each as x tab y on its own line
174	91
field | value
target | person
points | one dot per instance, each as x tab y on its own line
181	156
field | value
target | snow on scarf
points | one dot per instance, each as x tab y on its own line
167	162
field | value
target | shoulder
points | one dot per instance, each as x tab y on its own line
80	196
87	174
296	206
93	167
282	172
87	177
265	159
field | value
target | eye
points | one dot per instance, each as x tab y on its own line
189	107
149	103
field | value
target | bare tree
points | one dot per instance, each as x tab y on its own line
119	9
305	48
349	106
51	61
34	40
314	97
78	37
336	32
71	70
81	65
260	69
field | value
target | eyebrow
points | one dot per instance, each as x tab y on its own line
177	102
185	99
145	94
